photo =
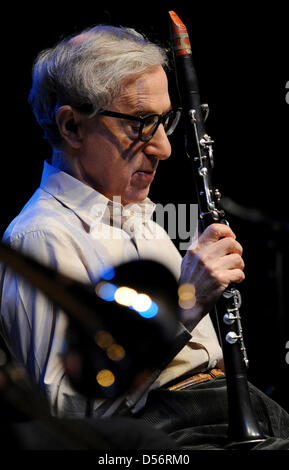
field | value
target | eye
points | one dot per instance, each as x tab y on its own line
134	125
131	128
134	128
151	120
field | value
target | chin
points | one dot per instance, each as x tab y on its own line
135	198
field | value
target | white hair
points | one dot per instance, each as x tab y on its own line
86	71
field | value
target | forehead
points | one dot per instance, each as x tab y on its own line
147	92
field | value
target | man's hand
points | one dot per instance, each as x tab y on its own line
211	266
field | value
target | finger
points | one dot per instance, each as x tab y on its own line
236	275
227	276
224	247
232	261
214	232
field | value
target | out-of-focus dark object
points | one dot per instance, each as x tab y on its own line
124	325
27	424
137	304
120	328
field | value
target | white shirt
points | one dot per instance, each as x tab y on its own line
67	226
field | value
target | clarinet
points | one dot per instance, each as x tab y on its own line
243	430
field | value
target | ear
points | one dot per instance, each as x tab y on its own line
68	122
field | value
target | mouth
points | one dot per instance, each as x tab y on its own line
145	175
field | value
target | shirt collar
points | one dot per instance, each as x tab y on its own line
87	203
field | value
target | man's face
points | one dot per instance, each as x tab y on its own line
114	162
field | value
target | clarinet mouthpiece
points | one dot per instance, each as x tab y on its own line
181	40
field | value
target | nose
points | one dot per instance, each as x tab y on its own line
159	145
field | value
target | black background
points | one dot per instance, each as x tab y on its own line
241	56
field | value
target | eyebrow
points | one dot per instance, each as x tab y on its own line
144	113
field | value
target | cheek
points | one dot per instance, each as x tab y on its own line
111	145
110	158
110	170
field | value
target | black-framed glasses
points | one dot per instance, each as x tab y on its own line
147	126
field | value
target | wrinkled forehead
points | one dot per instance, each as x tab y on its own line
146	92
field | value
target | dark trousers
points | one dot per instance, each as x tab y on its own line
197	417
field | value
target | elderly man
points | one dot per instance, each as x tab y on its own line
102	100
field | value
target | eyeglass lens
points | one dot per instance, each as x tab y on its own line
169	122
